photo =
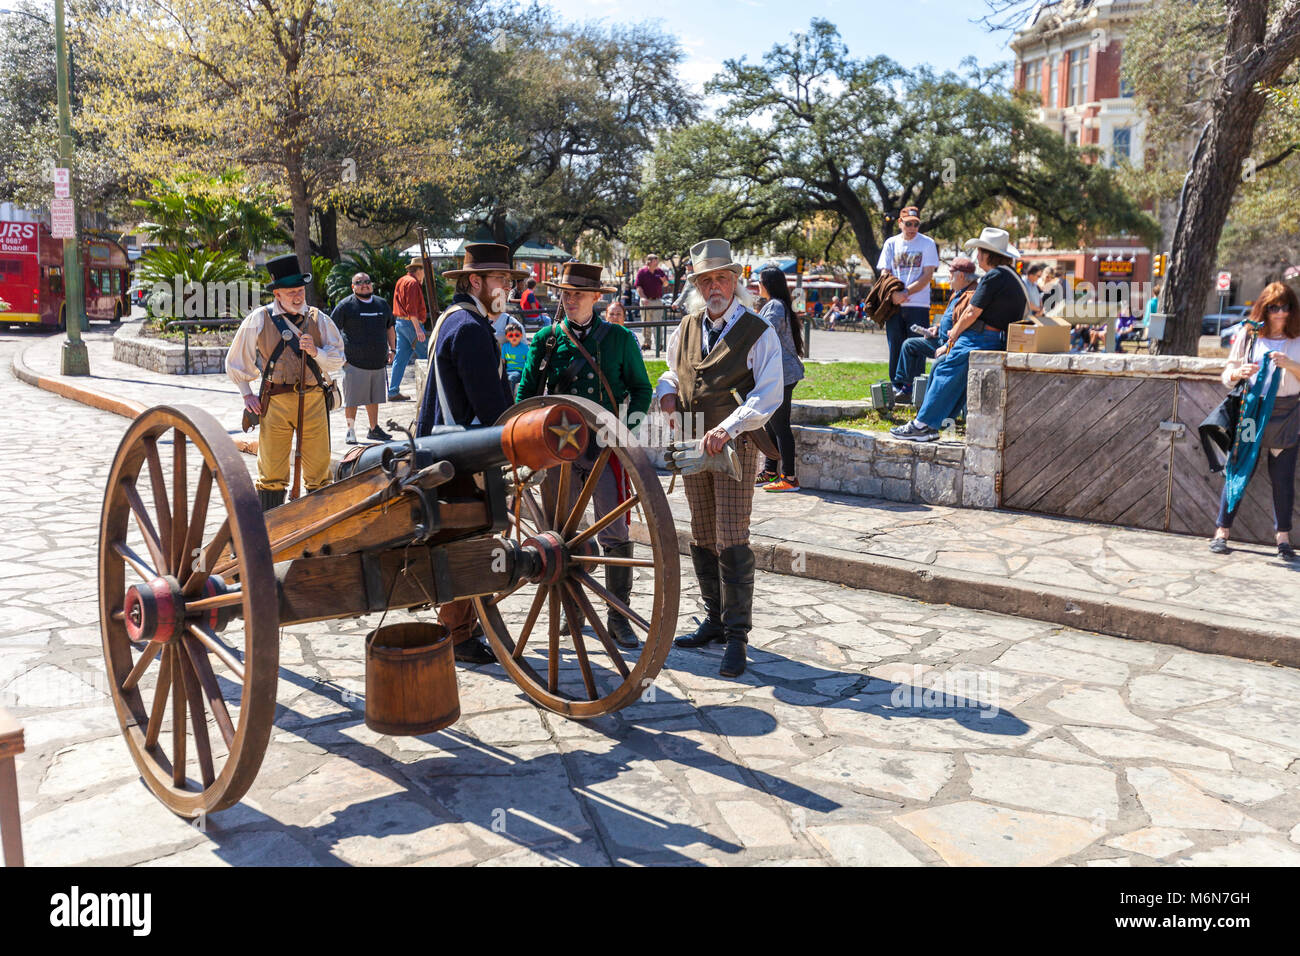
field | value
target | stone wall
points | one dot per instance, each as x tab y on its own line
161	355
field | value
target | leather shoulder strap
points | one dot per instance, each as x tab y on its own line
604	382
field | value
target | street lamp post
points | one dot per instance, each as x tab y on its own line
75	359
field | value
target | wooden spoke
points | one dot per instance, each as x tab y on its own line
613	602
534	509
204	568
588	489
198	518
580	646
601	559
146	658
133	559
501	596
533	611
118	616
198	719
159	701
217	600
598	626
553	660
219	650
180	500
159	498
142	520
208	681
562	494
603	523
178	718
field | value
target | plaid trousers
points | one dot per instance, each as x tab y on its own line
720	507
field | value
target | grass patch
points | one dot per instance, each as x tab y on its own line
833	381
874	421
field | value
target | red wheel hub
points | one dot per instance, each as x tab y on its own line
155	610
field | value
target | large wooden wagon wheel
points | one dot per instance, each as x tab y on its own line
585	675
192	657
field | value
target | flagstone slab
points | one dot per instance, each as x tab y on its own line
756	825
1037	784
1254	851
1155	842
1235	786
971	833
1171	801
1134	745
1242	748
861	845
1097	705
1058	749
916	776
124	824
257	848
1038	657
1164	692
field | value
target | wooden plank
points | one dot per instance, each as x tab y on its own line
1064	395
1128	436
1058	427
1023	389
1142	483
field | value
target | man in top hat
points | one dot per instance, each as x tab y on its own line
467	383
722	349
411	317
289	338
999	299
585	355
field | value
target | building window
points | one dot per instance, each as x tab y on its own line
1072	137
1078	91
1120	138
1034	78
1053	81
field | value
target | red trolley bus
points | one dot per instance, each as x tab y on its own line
31	276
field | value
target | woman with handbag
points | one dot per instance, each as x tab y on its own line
1268	341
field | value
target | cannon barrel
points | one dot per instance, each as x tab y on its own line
539	438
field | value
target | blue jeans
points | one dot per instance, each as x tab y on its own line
946	394
911	362
406	343
898	330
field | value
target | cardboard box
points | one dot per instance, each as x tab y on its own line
1048	334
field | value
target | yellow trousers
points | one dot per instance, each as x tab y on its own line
275	441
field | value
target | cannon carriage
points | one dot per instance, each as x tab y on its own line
195	582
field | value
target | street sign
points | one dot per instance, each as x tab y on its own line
1225	281
62	182
63	222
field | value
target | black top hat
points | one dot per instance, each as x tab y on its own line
286	273
582	277
481	257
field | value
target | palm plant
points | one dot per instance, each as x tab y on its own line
200	276
384	266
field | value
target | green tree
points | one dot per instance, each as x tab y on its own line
815	130
313	96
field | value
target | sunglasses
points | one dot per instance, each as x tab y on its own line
1279	308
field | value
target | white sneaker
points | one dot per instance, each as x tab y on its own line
351	437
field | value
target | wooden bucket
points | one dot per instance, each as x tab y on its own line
410	679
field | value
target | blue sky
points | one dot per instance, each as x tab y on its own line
938	32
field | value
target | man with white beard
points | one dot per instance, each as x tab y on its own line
722	348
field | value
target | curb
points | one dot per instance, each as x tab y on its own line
86	396
1206	631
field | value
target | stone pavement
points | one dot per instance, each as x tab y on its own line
870	729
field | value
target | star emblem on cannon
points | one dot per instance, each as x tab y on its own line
565	433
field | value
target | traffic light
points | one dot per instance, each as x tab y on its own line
1159	264
798	265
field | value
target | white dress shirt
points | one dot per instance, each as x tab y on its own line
242	359
764	359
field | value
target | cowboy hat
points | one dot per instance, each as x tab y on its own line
580	277
994	240
286	273
481	257
710	256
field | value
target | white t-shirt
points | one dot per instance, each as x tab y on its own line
1289	347
907	260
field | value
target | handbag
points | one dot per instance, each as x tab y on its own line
1219	430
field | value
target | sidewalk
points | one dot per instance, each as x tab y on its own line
1124	582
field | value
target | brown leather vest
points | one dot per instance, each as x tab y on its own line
288	367
707	384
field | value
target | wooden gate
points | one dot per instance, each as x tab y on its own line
1120	449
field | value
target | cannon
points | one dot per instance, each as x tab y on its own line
195	582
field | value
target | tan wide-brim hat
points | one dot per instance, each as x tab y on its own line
580	277
994	240
481	257
710	256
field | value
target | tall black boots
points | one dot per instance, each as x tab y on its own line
706	572
270	498
618	578
737	566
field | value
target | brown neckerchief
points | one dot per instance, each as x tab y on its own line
604	383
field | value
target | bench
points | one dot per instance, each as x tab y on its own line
11	745
186	324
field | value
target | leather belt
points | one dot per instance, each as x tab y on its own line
282	389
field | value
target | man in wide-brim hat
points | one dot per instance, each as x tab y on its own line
286	339
723	349
467	383
586	356
1000	299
